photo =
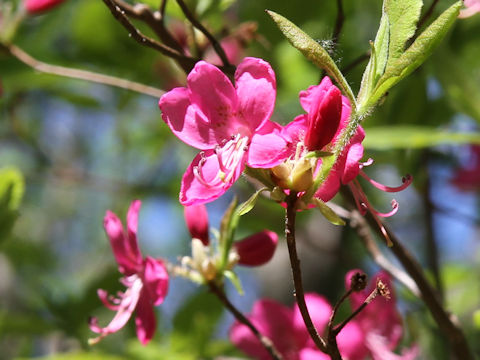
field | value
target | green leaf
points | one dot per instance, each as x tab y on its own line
410	137
312	51
327	212
230	275
248	205
476	319
78	356
227	230
402	18
415	55
195	322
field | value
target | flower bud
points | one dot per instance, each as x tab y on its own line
324	115
257	249
302	175
281	174
196	217
38	6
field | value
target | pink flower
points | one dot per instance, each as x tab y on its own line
38	6
380	321
146	280
468	178
285	327
230	125
471	8
196	218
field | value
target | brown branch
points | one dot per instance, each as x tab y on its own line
427	14
80	74
265	341
142	39
447	323
339	22
215	44
290	217
357	61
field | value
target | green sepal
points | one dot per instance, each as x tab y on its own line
318	154
327	212
248	205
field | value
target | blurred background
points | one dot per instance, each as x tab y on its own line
76	149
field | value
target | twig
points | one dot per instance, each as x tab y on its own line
216	45
447	323
427	14
290	217
265	341
339	22
360	225
357	61
80	74
138	36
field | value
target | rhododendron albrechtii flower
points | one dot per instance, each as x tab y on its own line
229	124
146	280
39	6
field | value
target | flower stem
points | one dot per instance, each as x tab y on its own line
265	341
290	217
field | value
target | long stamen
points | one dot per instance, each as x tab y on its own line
406	180
359	197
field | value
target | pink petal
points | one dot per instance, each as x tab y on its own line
132	226
256	91
257	249
105	299
187	122
212	93
330	186
268	148
272	319
145	320
319	310
125	309
312	354
195	191
155	280
196	217
349	161
295	130
38	6
126	259
380	349
351	342
308	97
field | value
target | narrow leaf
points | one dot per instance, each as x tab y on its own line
416	54
234	279
328	213
312	51
249	204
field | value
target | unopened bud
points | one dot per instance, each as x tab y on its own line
196	218
39	6
257	249
281	174
302	175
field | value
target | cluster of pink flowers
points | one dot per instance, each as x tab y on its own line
375	332
39	6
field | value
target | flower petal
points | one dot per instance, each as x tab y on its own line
208	186
155	280
132	226
257	249
308	97
145	319
256	91
196	218
126	259
351	342
212	93
187	122
268	148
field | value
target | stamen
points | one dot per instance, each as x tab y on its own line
392	212
407	180
366	163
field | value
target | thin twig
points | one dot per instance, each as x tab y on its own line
80	74
447	323
138	36
290	217
357	61
339	22
215	44
163	6
265	341
427	14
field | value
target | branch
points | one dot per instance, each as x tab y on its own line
265	341
290	217
216	45
357	61
80	74
138	36
427	14
338	22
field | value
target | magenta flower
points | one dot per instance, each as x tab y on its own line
285	327
196	218
472	7
380	321
146	280
38	6
230	125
